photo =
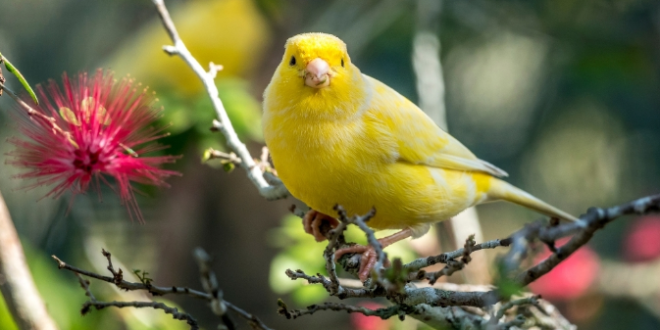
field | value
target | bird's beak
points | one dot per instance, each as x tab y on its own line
317	73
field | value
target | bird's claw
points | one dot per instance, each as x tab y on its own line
367	262
312	222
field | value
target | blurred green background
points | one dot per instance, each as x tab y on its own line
564	95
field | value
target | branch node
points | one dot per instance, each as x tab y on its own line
170	50
216	126
214	69
60	263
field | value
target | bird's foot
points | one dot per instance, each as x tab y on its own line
367	262
313	220
369	254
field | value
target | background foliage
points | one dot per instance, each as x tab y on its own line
561	94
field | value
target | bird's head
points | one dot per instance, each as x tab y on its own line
318	60
315	80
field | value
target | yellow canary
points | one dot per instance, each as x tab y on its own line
338	136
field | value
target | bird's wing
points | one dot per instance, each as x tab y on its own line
418	138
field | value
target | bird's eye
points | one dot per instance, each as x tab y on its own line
293	60
342	62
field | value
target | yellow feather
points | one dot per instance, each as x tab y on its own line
361	144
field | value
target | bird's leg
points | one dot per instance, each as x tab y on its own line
312	222
369	255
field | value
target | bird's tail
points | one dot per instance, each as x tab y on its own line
505	191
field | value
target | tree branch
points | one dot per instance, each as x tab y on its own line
436	306
383	313
132	286
445	257
224	125
213	294
584	229
210	284
92	302
16	284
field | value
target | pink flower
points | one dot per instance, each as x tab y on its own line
97	128
642	243
363	322
571	278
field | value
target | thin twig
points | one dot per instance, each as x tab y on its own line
454	265
149	304
212	294
383	313
533	300
133	286
445	257
440	307
92	302
37	115
335	240
254	321
343	292
223	156
224	125
449	258
584	229
210	285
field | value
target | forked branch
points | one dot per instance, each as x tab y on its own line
223	124
211	293
437	306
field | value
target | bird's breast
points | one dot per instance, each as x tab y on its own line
325	162
324	150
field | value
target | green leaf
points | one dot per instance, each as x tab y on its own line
228	167
11	68
206	156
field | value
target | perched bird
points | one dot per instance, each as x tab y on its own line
338	136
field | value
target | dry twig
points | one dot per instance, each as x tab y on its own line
92	302
212	293
440	305
223	124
